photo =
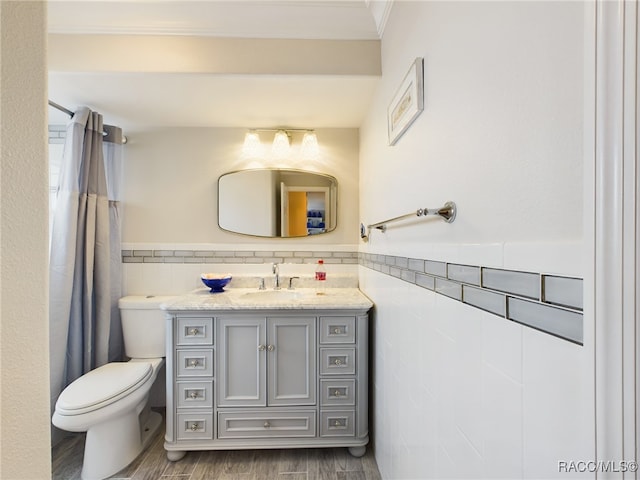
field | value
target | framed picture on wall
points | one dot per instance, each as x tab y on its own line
407	103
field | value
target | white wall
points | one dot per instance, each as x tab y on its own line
170	182
458	392
24	404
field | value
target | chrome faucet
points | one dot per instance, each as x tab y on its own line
276	278
291	282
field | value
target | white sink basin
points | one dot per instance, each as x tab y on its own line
272	295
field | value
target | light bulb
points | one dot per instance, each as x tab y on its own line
280	148
309	149
252	147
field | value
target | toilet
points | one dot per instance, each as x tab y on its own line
110	402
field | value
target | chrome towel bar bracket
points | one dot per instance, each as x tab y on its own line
447	212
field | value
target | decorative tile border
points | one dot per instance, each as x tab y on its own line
548	303
241	256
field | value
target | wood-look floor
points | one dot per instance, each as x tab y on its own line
292	464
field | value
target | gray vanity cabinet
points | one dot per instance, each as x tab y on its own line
266	361
287	378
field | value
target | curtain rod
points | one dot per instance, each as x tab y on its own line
61	108
70	113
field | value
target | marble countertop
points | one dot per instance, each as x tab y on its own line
254	299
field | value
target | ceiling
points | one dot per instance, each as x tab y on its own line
146	92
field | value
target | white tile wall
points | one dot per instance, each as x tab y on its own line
462	393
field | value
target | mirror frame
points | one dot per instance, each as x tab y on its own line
333	180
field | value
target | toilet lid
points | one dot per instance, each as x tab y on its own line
103	386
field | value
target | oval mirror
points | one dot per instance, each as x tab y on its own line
277	202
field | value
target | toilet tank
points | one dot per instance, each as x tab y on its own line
143	325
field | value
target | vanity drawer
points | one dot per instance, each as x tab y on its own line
337	392
194	394
337	361
190	426
339	423
337	329
194	331
194	363
263	424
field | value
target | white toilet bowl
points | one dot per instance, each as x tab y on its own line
110	402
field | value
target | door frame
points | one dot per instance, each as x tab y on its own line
612	226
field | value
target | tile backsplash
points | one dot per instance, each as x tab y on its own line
549	303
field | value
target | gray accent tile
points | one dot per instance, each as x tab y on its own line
213	260
485	300
426	281
402	262
56	141
183	253
345	254
408	276
173	260
416	264
563	291
132	259
283	254
303	254
153	259
232	260
291	259
224	254
556	321
385	269
332	260
203	253
142	253
163	253
435	268
448	288
463	273
395	272
127	253
390	260
524	284
243	254
194	259
350	261
263	254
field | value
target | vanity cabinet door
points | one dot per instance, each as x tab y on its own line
241	352
291	361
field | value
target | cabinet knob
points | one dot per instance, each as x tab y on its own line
193	363
194	427
337	361
267	424
337	423
337	330
336	393
193	395
193	331
271	348
261	348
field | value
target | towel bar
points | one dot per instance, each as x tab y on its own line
446	212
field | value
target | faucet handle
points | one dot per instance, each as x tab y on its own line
274	268
261	286
291	282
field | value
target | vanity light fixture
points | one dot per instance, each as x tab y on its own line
252	147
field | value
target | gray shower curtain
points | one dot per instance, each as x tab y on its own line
85	279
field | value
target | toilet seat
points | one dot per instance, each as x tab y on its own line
103	386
